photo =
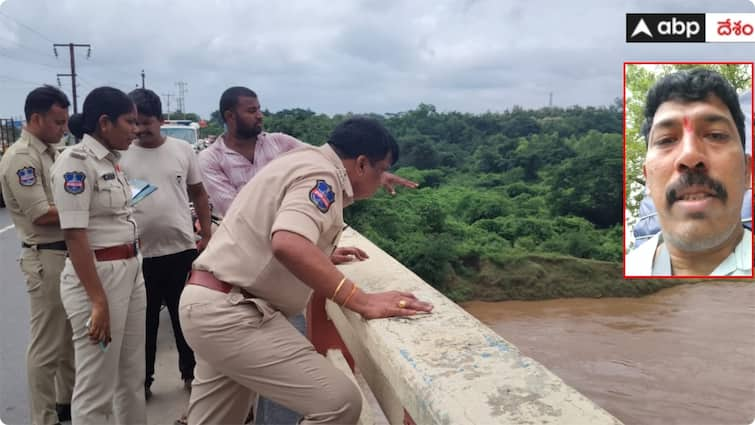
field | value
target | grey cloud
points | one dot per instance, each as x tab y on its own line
359	56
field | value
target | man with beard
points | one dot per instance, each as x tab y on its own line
239	153
697	171
165	226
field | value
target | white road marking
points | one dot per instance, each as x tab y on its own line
4	229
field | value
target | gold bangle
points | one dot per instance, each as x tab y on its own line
351	294
338	288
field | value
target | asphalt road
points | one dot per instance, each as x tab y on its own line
14	327
169	399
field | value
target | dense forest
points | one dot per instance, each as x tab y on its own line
519	204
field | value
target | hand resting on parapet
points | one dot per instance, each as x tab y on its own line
389	304
383	304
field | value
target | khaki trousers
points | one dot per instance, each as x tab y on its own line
244	348
49	358
109	385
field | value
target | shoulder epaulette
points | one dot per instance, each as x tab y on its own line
22	149
78	154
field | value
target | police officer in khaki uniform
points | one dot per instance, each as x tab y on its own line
101	285
270	252
25	180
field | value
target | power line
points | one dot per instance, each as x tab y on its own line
19	86
118	85
26	26
110	68
83	81
26	61
27	48
8	77
96	71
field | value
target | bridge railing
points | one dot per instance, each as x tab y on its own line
440	368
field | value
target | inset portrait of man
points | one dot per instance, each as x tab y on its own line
696	171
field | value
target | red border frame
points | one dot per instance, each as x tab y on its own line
624	160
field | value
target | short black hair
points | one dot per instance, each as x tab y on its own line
100	101
230	98
41	99
689	86
147	103
363	136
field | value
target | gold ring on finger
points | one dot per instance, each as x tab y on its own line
402	304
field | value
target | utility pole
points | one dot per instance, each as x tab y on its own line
142	78
181	93
72	74
167	102
550	100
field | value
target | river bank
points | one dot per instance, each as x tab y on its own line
541	277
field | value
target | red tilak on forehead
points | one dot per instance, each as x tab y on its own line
687	123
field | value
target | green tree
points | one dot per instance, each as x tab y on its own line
589	184
178	115
216	118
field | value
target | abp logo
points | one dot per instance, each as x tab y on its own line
665	28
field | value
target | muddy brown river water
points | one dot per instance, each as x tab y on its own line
685	355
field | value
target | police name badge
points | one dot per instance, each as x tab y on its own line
74	182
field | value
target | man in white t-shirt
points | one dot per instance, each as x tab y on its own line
165	224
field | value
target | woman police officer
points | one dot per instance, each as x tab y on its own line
102	287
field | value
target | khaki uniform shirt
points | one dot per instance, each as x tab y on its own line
304	192
25	180
91	192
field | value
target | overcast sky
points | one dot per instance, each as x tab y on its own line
340	56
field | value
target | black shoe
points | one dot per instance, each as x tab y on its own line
147	392
64	412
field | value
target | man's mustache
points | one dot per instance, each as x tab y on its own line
693	178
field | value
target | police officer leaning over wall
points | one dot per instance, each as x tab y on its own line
268	255
101	285
25	180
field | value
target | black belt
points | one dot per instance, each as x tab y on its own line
58	246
